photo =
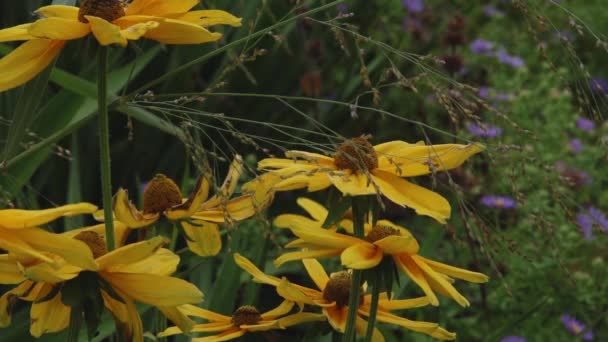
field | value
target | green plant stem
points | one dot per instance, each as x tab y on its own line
75	324
359	209
174	233
371	321
104	146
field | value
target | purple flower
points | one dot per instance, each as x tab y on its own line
484	130
575	145
576	327
585	223
599	85
414	6
342	8
483	92
505	58
497	201
599	218
481	46
513	339
492	11
585	124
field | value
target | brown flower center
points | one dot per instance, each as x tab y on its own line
105	9
356	154
246	314
338	289
160	194
380	232
95	242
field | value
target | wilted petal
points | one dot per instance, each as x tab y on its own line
126	213
49	316
20	218
106	32
203	238
172	31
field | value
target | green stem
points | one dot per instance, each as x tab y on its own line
75	324
104	145
174	231
373	308
359	210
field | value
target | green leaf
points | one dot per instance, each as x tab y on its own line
337	206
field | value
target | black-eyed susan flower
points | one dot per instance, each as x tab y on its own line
111	22
332	296
199	215
358	168
20	235
383	239
245	319
135	272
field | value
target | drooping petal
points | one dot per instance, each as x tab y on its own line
300	255
47	273
10	272
280	310
194	202
456	272
137	31
126	316
195	311
121	232
292	293
295	221
161	262
353	183
59	11
106	32
361	256
20	219
59	28
311	233
423	327
49	316
261	326
171	31
20	249
300	317
131	253
225	336
441	282
407	160
401	304
312	157
159	7
207	18
203	238
361	328
19	32
395	244
336	317
314	209
407	265
204	327
126	213
175	315
291	166
316	272
154	289
229	185
312	182
258	276
404	193
237	209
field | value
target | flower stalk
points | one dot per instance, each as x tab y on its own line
371	321
104	146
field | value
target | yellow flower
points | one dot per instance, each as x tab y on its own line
20	236
198	215
332	296
111	22
358	168
385	238
244	319
134	272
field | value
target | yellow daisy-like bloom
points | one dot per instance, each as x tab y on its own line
111	22
332	296
245	319
134	272
20	236
385	238
358	168
198	215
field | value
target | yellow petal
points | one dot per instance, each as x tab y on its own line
126	213
126	316
208	18
184	324
237	209
121	232
20	32
261	190
225	336
280	310
195	311
261	326
154	289
49	316
312	182
292	165
292	293
353	183
423	327
258	276
27	61
171	31
361	328
336	317
456	272
314	209
131	253
46	273
10	272
203	239
192	205
299	255
316	272
295	221
401	304
19	218
361	256
162	262
230	182
441	282
59	28
408	160
205	327
312	157
300	317
310	231
137	31
60	11
404	193
159	7
105	32
407	265
395	244
19	249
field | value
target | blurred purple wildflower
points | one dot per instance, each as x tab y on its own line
492	11
585	223
585	124
484	130
513	339
483	92
414	6
497	201
481	46
599	217
576	327
505	58
575	145
599	85
342	8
